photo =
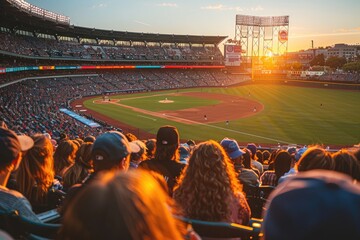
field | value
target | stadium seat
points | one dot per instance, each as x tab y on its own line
257	197
224	229
21	227
35	229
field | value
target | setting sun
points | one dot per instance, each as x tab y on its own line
269	54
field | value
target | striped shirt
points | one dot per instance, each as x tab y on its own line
269	178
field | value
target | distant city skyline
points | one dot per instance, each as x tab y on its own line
326	22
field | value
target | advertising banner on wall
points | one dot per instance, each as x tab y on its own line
232	55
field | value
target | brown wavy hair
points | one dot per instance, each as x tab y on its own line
208	184
81	168
36	171
64	156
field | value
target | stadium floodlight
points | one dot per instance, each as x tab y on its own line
260	36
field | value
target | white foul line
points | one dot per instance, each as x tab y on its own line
204	124
230	130
147	117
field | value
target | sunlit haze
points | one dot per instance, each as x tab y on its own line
326	22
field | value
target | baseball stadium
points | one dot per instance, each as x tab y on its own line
70	82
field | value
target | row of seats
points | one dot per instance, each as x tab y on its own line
24	228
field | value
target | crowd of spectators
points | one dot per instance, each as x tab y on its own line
65	164
108	197
341	77
33	105
53	48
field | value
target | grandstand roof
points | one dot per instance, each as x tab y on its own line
16	18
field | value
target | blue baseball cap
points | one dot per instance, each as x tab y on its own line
184	152
299	153
232	148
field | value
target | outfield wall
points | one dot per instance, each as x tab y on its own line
310	83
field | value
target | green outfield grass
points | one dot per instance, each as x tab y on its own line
291	115
180	102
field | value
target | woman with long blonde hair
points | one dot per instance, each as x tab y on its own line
35	176
208	188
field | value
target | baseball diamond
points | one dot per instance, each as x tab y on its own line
280	117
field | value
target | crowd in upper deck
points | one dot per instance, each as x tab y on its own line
42	47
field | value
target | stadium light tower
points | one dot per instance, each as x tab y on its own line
258	36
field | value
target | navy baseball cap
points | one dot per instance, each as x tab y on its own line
112	146
311	205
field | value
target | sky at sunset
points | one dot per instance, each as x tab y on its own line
325	21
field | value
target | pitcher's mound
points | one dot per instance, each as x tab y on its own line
166	101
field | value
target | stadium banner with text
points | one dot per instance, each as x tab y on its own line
90	67
232	55
79	118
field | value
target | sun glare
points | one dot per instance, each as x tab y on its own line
269	54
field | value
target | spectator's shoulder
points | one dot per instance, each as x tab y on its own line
11	193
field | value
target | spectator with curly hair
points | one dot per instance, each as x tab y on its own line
208	188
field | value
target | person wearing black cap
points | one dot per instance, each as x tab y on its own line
11	148
167	157
111	151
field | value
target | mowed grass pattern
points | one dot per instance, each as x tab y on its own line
291	115
180	102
